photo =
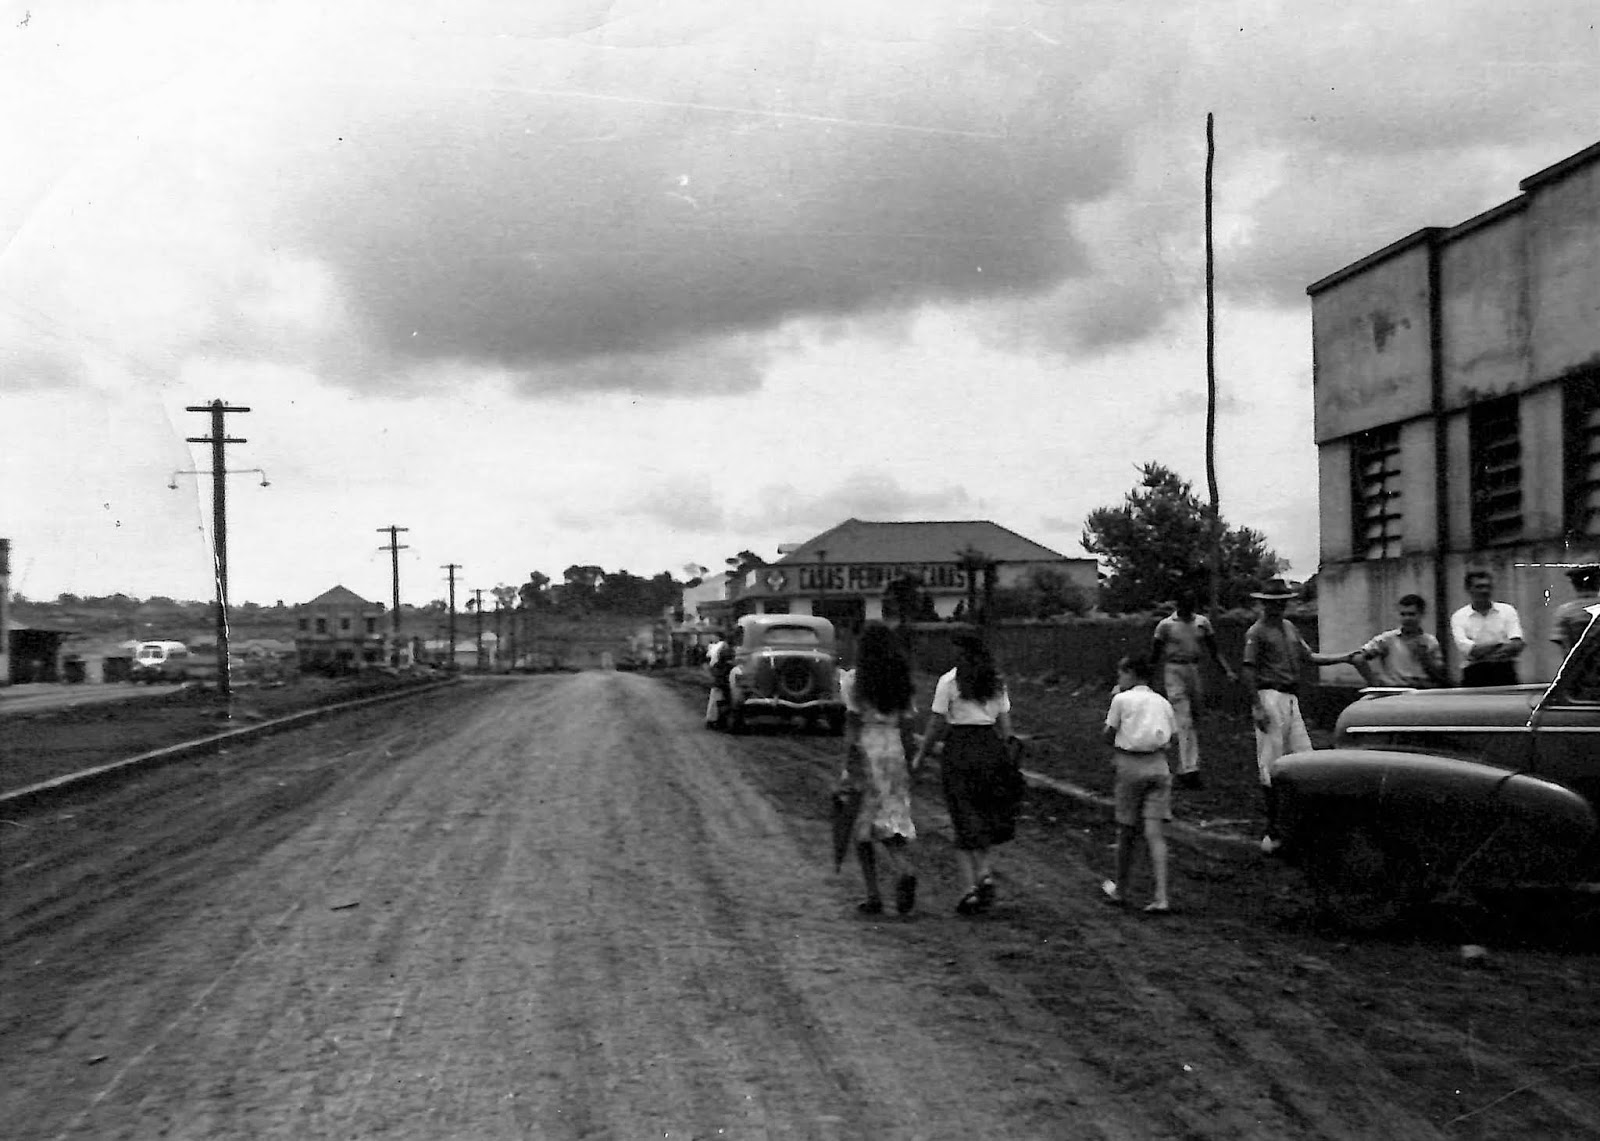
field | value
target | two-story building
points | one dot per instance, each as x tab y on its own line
1457	413
340	630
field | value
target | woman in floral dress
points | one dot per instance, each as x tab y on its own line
878	697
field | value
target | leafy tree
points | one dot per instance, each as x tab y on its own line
535	593
1156	543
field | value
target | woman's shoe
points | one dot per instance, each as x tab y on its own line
970	904
905	893
986	892
870	907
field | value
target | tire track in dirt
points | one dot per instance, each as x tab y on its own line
1215	1014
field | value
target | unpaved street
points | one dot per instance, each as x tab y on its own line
556	907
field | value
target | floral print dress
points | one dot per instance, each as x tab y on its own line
881	771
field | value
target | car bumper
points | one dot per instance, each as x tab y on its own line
754	703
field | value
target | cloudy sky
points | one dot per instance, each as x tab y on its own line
641	284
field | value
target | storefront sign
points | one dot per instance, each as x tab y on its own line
871	578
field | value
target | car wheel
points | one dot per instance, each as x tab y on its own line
836	724
1358	880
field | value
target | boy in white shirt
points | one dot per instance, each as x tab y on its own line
1139	725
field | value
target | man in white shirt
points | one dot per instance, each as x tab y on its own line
1139	726
1487	634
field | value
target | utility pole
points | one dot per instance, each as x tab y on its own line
1214	559
477	610
452	568
218	440
394	548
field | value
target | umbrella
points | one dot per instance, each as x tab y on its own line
846	807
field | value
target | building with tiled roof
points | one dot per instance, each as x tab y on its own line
842	573
340	630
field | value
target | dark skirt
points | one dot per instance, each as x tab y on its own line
979	787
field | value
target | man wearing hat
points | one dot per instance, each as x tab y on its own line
1572	617
1274	656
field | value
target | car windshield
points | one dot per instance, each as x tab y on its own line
791	636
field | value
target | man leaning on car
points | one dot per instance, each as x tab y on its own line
1487	634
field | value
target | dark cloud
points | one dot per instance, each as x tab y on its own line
574	233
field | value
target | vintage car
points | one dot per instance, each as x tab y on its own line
1428	792
785	665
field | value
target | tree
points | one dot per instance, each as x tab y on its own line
1156	543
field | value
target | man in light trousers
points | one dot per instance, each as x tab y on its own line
1274	656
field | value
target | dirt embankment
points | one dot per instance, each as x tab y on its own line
557	907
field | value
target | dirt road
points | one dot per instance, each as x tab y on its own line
556	907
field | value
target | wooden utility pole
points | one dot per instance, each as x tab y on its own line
1214	558
219	439
477	610
452	568
394	548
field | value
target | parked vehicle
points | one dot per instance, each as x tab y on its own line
786	665
160	661
1432	791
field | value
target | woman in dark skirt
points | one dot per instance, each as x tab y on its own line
971	715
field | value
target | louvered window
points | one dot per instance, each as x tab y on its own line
1375	493
1495	445
1582	414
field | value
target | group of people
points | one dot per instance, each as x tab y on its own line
969	726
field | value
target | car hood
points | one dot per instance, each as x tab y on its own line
1500	706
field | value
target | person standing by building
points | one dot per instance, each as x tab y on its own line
1571	618
1406	656
1181	639
1275	655
971	716
878	697
1139	725
1487	634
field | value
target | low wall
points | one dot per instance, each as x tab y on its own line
1085	652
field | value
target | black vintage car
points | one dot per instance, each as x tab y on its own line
786	665
1433	791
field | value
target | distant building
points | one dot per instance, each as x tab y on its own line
1456	379
842	573
340	630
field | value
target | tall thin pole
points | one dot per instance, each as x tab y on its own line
477	610
452	568
218	440
394	548
1215	558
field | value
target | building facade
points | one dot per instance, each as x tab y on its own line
842	573
1456	382
340	630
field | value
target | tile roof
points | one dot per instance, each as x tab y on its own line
339	596
933	541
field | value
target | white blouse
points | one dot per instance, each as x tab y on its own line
957	710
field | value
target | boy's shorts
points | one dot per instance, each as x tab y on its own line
1143	788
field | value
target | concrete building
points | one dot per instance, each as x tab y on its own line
339	629
841	574
1457	413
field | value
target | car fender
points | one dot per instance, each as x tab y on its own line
1463	816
